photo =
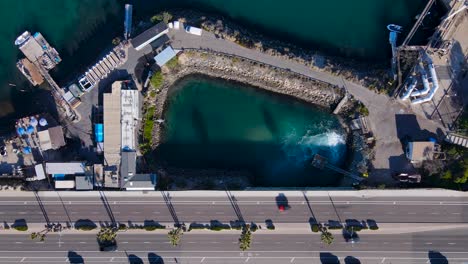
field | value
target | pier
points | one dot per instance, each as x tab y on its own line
40	58
418	22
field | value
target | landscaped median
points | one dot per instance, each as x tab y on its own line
279	228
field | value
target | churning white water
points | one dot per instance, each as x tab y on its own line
301	149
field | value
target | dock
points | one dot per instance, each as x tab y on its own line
321	162
40	58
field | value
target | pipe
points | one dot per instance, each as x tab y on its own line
435	84
425	82
409	89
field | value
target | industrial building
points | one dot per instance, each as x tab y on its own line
150	35
121	121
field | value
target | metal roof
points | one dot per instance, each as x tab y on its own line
149	35
112	127
84	182
65	168
40	174
129	118
57	139
128	165
44	140
166	55
141	182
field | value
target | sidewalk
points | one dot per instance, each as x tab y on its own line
433	193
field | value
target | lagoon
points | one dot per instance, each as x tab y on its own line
213	123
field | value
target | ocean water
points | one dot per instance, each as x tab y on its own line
212	123
81	29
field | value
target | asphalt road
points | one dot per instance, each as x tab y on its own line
427	247
256	209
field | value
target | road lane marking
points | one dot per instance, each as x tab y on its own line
292	260
83	242
146	242
428	243
300	242
383	260
247	259
451	243
18	242
203	259
456	213
218	213
22	260
124	242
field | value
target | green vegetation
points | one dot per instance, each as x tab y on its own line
315	228
173	63
163	16
41	235
21	228
220	227
452	173
157	80
326	236
362	109
148	125
116	41
245	239
153	227
175	235
85	227
106	235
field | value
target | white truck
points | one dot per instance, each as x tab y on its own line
193	30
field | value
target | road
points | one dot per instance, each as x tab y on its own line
221	247
123	207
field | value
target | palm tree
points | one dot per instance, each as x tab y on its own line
107	235
326	236
175	236
246	238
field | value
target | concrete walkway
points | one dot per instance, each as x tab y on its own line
389	156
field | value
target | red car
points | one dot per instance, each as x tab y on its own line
281	208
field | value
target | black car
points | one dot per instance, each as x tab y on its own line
351	237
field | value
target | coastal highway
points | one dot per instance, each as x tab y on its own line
221	247
227	206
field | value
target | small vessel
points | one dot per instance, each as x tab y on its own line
394	28
22	38
12	84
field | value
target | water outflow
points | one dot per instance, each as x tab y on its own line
301	149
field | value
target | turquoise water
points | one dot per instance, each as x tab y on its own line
81	29
211	123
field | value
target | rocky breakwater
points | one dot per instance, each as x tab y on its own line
374	75
263	76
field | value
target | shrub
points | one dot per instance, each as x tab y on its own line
253	227
85	227
271	227
21	228
163	16
173	63
220	227
122	227
154	227
315	228
197	226
157	80
374	227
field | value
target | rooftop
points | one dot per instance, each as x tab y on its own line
149	35
65	168
420	150
166	55
84	182
141	182
112	127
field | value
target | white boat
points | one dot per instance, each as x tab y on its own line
394	28
22	38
